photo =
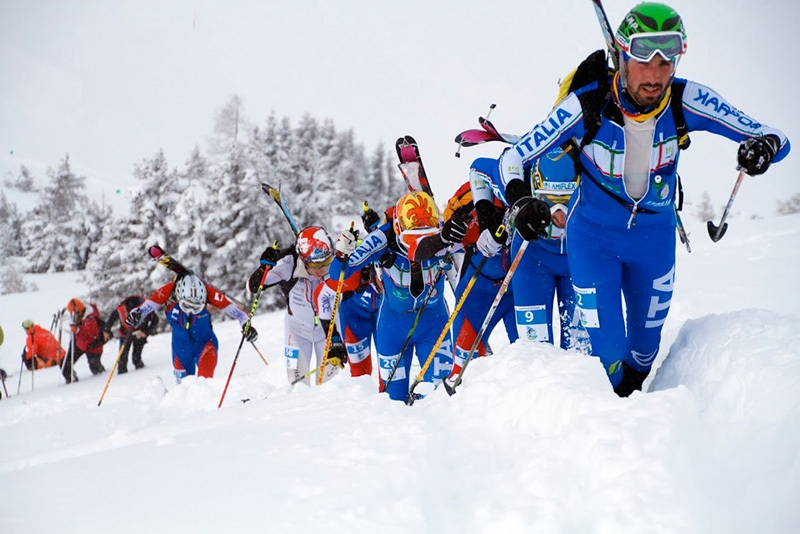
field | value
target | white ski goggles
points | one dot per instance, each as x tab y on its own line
644	46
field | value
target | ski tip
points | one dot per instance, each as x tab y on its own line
155	251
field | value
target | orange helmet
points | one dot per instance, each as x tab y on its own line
75	306
415	211
416	216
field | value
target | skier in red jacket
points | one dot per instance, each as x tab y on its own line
41	347
88	337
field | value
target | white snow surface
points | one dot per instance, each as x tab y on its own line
534	441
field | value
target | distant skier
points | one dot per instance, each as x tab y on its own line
140	333
41	347
194	344
621	222
88	337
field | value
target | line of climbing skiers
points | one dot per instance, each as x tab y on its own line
88	334
583	206
587	199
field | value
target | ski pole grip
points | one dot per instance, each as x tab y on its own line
266	269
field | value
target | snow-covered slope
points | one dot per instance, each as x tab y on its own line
534	441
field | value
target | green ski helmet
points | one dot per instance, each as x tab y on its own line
651	28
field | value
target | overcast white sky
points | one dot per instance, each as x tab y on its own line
112	82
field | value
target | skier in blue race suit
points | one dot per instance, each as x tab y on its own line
357	315
543	271
194	344
410	249
481	242
621	222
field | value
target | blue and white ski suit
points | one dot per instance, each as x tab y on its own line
542	274
617	244
399	307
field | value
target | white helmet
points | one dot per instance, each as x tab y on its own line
191	293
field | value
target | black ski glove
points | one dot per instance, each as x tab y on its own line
269	256
133	318
530	217
455	230
251	334
370	218
755	154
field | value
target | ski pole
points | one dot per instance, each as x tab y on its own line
122	348
301	378
411	397
684	237
246	327
608	33
60	332
72	356
716	232
3	379
33	359
443	264
263	359
336	300
276	196
19	381
500	293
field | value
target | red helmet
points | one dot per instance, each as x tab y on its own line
314	247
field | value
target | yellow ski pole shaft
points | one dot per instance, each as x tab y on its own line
336	300
116	362
500	292
446	330
301	378
263	359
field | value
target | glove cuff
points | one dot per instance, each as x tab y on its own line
517	190
773	142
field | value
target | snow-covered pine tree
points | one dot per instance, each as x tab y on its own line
384	184
120	265
153	201
189	221
233	227
705	211
230	127
10	229
54	230
265	153
24	181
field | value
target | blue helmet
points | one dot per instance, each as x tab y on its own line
554	177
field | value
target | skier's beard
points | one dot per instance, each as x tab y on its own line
647	95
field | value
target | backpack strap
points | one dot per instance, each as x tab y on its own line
676	106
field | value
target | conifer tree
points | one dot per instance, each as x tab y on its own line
54	230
